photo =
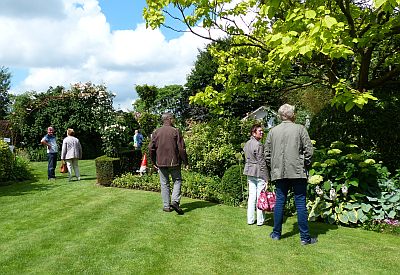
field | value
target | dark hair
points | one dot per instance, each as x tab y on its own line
255	127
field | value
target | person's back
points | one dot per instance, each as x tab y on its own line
290	151
167	152
167	140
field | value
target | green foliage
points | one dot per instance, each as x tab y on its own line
5	84
148	123
147	95
12	168
21	169
87	108
291	44
202	76
194	185
114	137
344	184
107	169
38	154
212	146
6	161
372	128
233	186
386	205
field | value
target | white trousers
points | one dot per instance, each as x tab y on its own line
255	187
73	163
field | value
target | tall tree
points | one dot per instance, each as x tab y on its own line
87	108
5	81
350	46
202	76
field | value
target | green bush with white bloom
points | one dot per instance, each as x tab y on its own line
347	185
114	137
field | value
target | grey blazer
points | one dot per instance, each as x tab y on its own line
71	148
255	165
288	151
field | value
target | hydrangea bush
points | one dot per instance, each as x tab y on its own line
347	185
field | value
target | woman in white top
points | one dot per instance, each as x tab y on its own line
71	152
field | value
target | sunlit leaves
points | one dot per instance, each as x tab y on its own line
285	34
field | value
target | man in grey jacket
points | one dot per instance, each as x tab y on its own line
167	152
288	152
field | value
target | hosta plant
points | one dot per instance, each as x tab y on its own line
346	186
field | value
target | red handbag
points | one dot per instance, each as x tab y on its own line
266	201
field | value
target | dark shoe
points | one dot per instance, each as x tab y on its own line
176	207
311	241
274	237
167	209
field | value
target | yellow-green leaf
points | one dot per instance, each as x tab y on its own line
310	14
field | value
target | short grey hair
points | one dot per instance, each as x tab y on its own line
167	116
286	112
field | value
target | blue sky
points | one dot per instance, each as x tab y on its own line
61	42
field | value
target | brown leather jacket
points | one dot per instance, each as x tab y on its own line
167	147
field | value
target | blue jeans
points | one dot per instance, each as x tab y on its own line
51	166
299	188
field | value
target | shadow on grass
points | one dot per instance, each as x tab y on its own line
25	187
187	207
316	229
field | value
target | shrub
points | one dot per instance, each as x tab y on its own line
130	160
233	186
369	128
21	169
134	181
114	137
6	162
194	185
346	185
107	169
212	146
37	154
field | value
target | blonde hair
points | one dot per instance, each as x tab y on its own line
70	132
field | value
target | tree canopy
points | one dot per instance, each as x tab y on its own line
85	107
5	81
351	47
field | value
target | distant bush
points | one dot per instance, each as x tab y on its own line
12	168
212	146
37	154
232	189
21	170
107	169
194	185
6	162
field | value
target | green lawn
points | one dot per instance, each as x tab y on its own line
59	227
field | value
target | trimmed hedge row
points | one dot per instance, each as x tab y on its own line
194	185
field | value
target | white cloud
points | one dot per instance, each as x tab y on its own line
67	41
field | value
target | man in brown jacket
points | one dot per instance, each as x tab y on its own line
167	152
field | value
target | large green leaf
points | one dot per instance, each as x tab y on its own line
352	216
365	207
343	218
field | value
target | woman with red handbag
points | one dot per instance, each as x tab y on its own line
256	171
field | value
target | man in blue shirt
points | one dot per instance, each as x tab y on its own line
50	141
137	140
